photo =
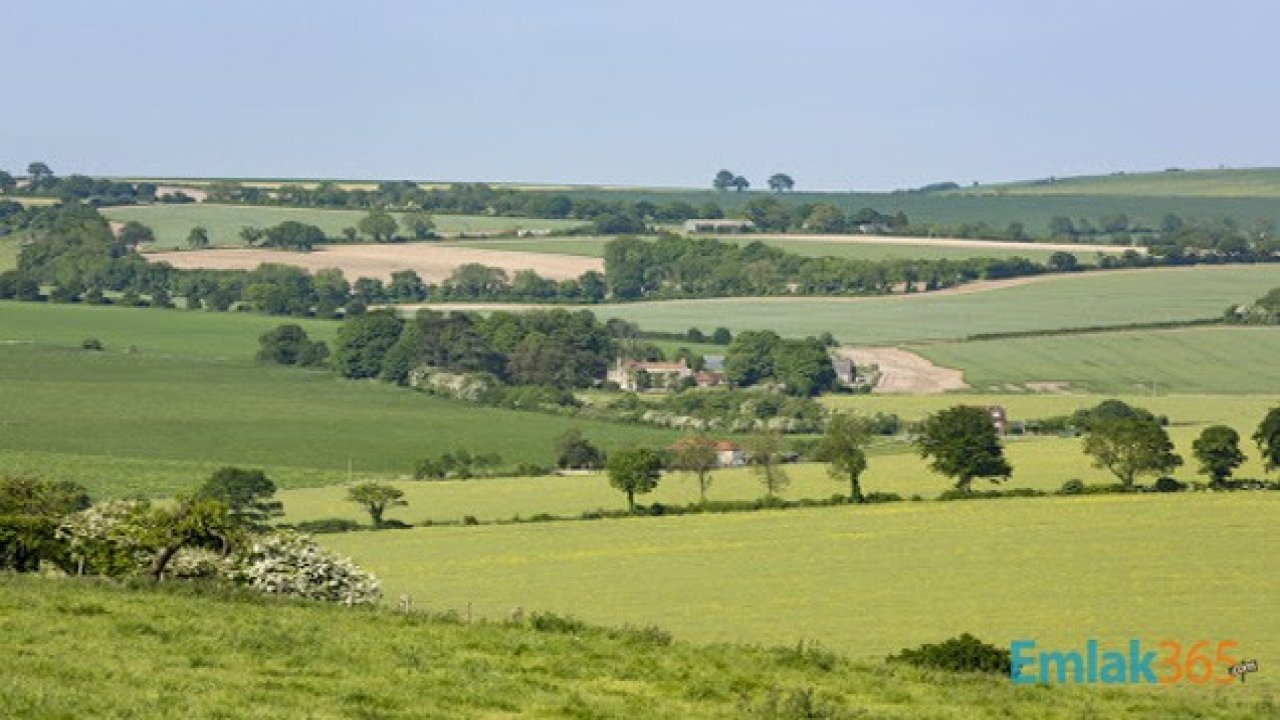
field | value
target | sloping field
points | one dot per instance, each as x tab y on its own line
172	223
1248	182
1191	360
1047	302
869	580
431	260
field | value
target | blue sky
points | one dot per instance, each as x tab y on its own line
842	95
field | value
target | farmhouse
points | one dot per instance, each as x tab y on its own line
846	373
718	226
635	375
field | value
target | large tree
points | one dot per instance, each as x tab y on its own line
961	443
135	233
723	180
292	235
843	448
1129	447
375	498
248	494
634	472
803	366
749	357
1268	438
379	225
781	182
764	452
1218	450
696	455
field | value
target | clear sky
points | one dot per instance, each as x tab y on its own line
842	95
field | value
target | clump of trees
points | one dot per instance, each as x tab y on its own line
800	367
457	464
288	344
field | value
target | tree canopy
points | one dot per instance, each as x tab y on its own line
1129	447
634	471
961	443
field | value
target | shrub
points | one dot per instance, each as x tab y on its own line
551	622
287	563
965	653
881	497
470	520
1167	484
1074	486
91	344
328	525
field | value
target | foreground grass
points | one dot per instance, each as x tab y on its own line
172	223
1190	360
77	649
868	580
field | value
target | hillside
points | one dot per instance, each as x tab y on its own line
94	650
1242	183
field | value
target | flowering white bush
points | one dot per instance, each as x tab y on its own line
108	538
288	563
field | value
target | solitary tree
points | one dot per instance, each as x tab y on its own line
379	225
1268	438
723	180
248	495
634	472
843	447
577	452
696	455
38	172
781	182
1218	450
740	183
764	452
252	235
198	238
376	498
961	443
1130	447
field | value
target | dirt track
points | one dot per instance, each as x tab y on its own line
906	372
432	261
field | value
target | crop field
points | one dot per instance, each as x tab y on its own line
1190	360
171	223
861	248
869	580
1248	182
176	395
1088	299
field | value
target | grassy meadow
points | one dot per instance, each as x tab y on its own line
172	223
177	394
869	580
75	649
1099	298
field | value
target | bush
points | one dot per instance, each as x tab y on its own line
328	525
551	622
470	520
881	497
1167	484
287	563
1074	486
965	653
91	344
957	494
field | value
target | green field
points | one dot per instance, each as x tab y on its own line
177	394
75	649
1248	182
171	223
594	247
867	580
1087	299
1192	360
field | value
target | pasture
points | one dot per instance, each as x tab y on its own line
171	223
1087	299
1188	360
177	394
869	580
232	655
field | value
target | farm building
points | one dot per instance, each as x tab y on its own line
999	418
846	373
635	375
730	454
718	226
